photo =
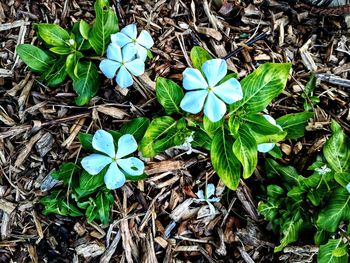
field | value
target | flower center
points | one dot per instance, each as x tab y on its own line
210	88
133	40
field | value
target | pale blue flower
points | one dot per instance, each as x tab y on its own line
127	37
207	197
104	143
323	170
266	147
204	92
123	63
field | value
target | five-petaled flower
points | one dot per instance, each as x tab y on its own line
124	62
118	166
266	147
206	91
127	37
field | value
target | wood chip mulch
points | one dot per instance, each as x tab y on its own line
157	220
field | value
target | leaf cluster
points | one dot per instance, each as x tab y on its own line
69	52
318	203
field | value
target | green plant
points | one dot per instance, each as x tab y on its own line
84	194
72	52
233	138
318	203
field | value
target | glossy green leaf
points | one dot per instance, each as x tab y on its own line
53	35
198	56
342	178
106	23
61	50
225	163
104	203
66	172
158	137
269	210
328	253
201	139
261	87
274	191
233	125
169	95
136	127
85	140
84	29
245	149
337	150
290	230
294	124
56	74
337	210
88	183
211	127
35	58
287	173
71	62
87	84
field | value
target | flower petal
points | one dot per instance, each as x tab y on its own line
95	162
230	91
109	67
270	119
129	52
120	39
132	165
141	52
124	78
103	142
214	70
200	194
214	108
114	52
114	178
145	39
136	67
126	145
193	79
348	187
210	190
265	147
130	31
193	101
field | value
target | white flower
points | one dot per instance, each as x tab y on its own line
123	63
118	166
127	37
323	170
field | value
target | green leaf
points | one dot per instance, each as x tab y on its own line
85	140
89	183
66	172
233	125
158	137
337	150
61	50
287	173
269	210
84	29
342	178
321	237
106	23
290	230
337	210
71	62
169	95
136	127
104	202
246	151
200	139
261	87
225	163
81	42
294	124
211	127
56	74
54	35
274	191
87	83
198	56
35	58
262	130
325	254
